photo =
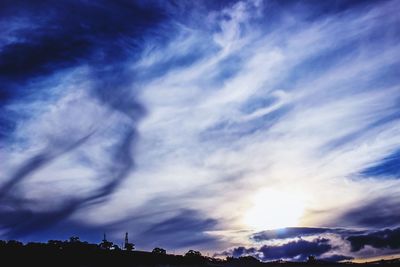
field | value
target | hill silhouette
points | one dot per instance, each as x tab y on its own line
77	253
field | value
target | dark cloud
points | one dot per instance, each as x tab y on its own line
43	226
292	232
185	229
377	213
298	250
321	247
23	221
64	34
68	33
237	252
380	239
39	160
67	228
101	35
240	251
16	218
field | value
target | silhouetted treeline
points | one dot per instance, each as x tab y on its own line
76	253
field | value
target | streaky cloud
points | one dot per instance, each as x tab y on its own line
293	232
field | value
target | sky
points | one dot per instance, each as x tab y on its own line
263	128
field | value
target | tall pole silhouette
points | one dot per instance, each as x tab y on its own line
126	240
128	246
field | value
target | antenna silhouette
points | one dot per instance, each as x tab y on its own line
128	246
105	244
126	239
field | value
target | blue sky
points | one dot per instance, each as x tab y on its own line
264	128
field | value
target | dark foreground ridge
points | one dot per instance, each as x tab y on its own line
76	253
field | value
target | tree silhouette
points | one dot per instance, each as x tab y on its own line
74	239
193	253
159	251
129	246
115	247
311	259
55	243
14	243
76	253
105	244
3	243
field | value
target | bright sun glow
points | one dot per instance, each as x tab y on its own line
274	209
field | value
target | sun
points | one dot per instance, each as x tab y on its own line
273	209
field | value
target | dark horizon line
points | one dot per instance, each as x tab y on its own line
74	242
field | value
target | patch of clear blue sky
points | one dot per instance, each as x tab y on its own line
388	167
